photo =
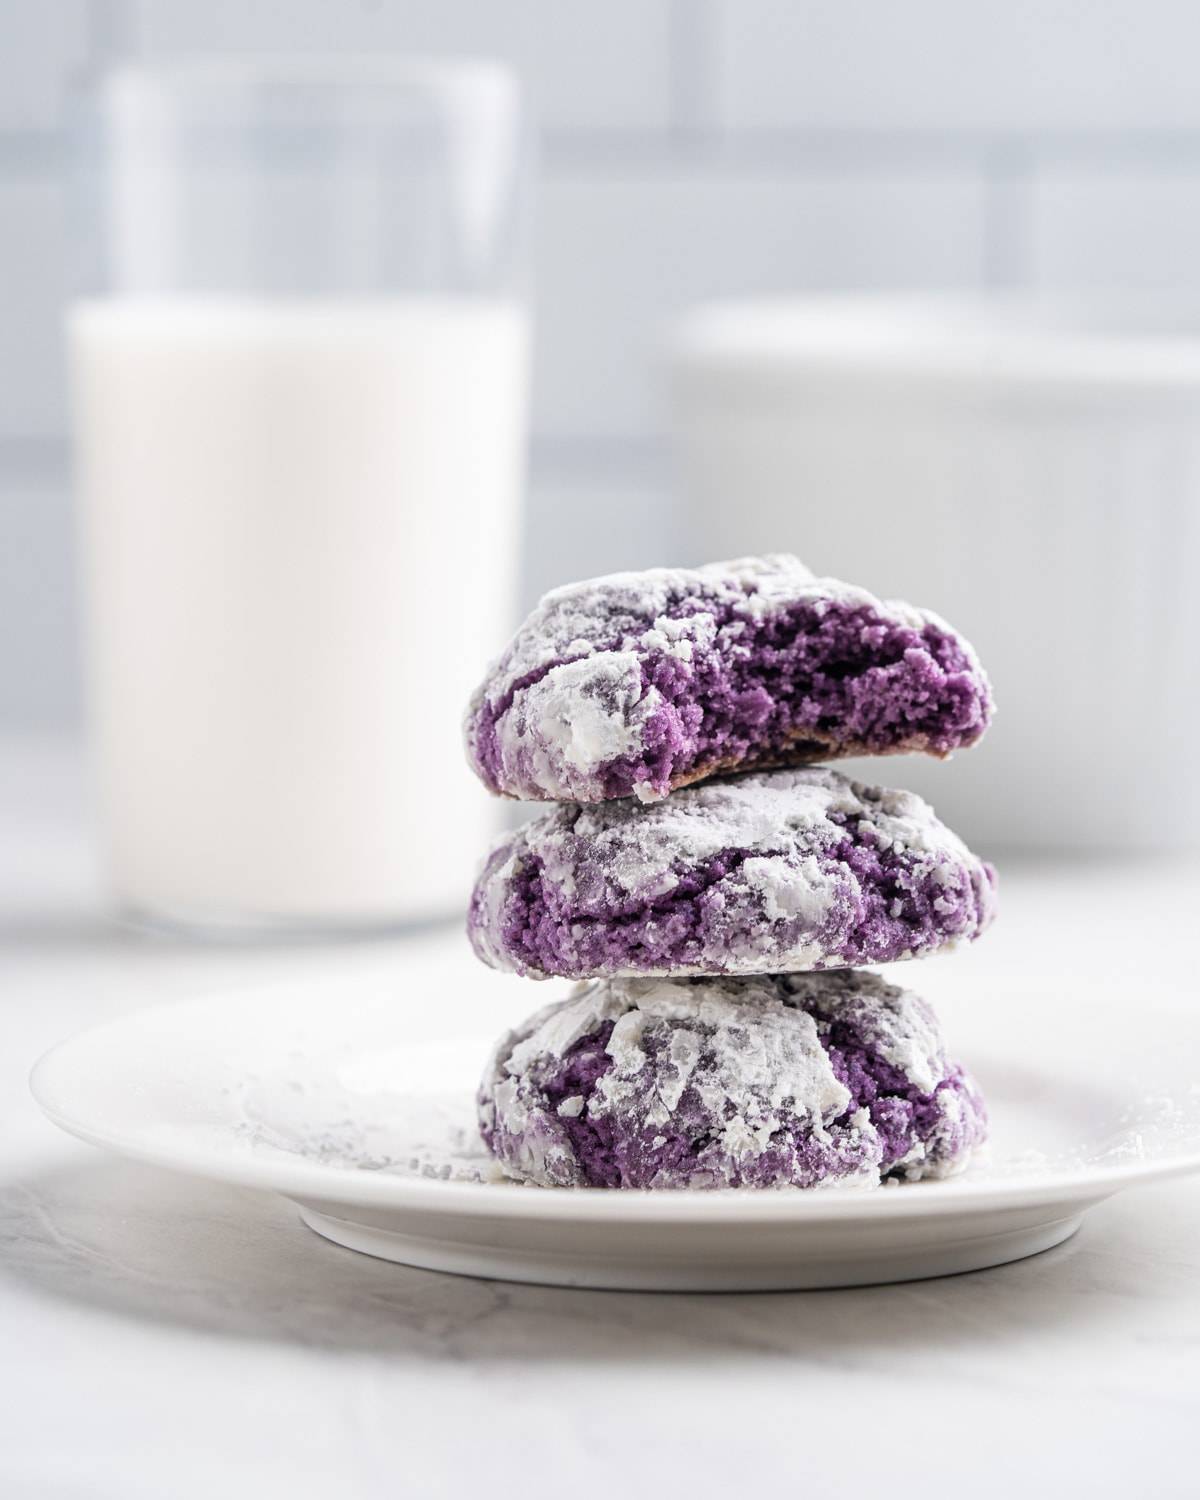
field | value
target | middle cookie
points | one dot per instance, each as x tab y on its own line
775	872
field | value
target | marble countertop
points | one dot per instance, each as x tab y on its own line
168	1337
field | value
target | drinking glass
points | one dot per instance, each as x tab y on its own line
299	350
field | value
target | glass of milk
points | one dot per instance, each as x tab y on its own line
299	364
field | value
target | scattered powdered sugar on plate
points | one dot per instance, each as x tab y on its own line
369	1114
1153	1128
404	1112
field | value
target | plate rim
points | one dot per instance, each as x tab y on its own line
326	1182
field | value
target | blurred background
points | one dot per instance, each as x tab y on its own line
909	287
698	150
689	149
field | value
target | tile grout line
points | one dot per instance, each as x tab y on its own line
723	154
630	453
693	141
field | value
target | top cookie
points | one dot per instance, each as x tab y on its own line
638	683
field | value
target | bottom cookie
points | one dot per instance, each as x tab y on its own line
789	1080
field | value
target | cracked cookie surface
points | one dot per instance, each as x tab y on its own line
770	872
637	683
801	1080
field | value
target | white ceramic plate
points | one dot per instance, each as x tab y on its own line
319	1092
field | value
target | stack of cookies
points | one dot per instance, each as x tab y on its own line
716	891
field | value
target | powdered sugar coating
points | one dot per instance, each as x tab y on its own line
771	872
636	683
783	1080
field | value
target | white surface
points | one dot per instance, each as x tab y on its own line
282	502
319	1092
173	1334
1030	472
176	1334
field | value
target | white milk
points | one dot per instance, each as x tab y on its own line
301	525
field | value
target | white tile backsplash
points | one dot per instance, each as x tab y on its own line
39	669
586	66
694	149
31	281
1135	228
596	517
620	257
41	41
1008	65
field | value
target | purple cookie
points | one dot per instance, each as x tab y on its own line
768	873
793	1080
642	682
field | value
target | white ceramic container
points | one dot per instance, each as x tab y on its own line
1033	474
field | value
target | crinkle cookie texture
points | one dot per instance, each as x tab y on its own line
641	682
772	872
797	1080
